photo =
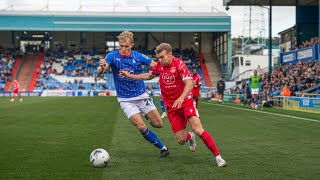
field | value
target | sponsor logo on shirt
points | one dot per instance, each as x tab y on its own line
168	78
173	70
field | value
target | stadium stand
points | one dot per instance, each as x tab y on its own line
8	58
71	70
303	77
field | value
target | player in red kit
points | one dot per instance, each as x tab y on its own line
15	91
196	81
176	86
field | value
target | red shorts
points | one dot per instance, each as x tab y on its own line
15	91
195	95
178	117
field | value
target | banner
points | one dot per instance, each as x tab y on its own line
288	57
305	54
231	97
74	93
302	104
36	93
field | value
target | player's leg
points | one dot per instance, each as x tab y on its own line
163	108
196	127
132	112
253	93
154	118
196	98
178	124
12	96
20	97
257	101
151	112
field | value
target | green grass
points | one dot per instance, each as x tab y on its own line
52	138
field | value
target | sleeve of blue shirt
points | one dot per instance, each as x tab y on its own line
109	58
145	60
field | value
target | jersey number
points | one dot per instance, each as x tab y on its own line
148	102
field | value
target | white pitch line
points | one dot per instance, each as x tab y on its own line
283	115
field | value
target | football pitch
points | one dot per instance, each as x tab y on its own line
52	138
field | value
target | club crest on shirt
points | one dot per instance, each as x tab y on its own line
168	78
173	70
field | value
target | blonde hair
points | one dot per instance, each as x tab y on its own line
125	36
163	47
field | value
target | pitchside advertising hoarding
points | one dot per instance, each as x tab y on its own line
302	104
63	93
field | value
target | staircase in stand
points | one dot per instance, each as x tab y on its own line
25	71
213	70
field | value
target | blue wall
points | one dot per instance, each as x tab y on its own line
114	24
307	20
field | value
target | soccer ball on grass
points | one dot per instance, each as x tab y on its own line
99	157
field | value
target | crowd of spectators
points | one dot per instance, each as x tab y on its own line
289	79
69	64
79	65
8	58
306	43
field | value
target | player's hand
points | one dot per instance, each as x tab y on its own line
103	64
178	102
124	74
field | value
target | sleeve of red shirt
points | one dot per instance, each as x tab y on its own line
184	71
155	70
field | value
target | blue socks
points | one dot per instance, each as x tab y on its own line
153	139
257	101
162	105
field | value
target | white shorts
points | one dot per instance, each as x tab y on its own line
133	107
255	91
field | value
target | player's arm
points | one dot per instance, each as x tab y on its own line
102	68
186	91
199	83
146	60
145	76
104	64
187	79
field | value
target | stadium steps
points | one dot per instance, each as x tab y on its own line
25	70
14	71
33	80
213	70
205	72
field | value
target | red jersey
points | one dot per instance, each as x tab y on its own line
16	85
196	80
171	80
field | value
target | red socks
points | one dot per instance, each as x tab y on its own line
209	142
188	136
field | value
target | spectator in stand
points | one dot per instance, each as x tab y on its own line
221	86
285	91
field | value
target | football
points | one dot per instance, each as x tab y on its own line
99	157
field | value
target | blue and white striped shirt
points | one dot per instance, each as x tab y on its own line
128	88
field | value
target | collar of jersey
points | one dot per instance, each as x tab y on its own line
124	56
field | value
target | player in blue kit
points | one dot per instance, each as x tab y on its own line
132	96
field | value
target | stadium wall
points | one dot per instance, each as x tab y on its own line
115	23
98	39
5	37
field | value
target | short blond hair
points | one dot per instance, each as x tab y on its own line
163	47
125	35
